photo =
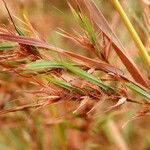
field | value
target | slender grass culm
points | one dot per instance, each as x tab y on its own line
143	52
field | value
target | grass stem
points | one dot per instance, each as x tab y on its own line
143	52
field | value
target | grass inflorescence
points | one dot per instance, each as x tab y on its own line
55	98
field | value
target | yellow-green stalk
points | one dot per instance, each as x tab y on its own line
143	52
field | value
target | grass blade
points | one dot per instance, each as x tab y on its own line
143	52
63	84
138	90
11	18
83	74
41	44
78	58
7	46
42	65
85	24
103	25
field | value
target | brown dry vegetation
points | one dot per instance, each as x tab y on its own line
74	75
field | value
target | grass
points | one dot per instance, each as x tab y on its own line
89	94
143	52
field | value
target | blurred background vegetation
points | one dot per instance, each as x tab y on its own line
55	126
